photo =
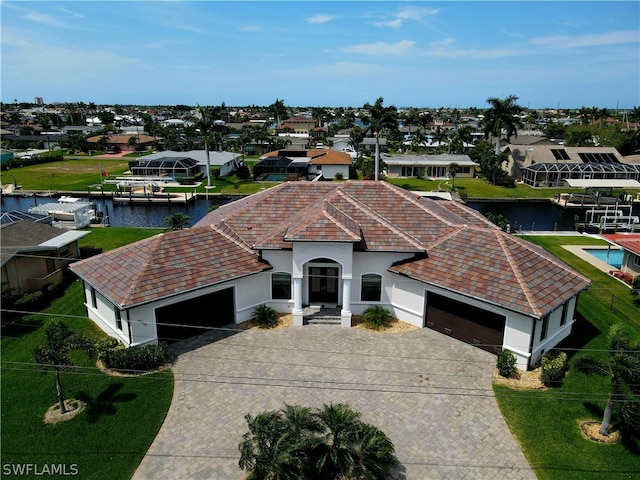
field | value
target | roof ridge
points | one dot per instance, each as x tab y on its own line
442	238
229	233
416	200
515	268
156	241
380	219
355	230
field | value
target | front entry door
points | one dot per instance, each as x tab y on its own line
323	285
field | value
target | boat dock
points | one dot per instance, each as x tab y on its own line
152	197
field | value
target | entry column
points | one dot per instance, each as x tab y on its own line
345	313
298	315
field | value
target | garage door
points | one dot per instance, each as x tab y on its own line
465	322
195	316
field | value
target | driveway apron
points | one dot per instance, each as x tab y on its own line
430	393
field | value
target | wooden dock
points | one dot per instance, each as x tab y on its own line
153	198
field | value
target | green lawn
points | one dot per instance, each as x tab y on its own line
546	422
110	437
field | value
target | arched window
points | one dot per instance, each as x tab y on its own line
281	286
371	287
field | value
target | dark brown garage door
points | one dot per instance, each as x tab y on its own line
195	316
465	322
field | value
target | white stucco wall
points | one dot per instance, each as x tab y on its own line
330	171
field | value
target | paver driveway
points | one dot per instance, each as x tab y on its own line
429	393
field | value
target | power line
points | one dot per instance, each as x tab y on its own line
239	380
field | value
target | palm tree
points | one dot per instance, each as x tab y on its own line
278	110
418	139
54	354
205	124
623	369
453	170
380	118
355	138
502	116
351	448
269	450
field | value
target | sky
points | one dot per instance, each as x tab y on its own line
447	54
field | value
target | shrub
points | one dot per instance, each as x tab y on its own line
103	346
137	359
507	364
265	316
376	317
553	368
31	301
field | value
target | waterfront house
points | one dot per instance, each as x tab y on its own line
347	245
227	162
429	166
630	245
307	164
541	165
34	254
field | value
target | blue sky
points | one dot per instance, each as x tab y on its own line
421	54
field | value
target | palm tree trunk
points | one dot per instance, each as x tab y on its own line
206	152
63	409
606	418
377	155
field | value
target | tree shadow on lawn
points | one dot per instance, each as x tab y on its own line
104	403
630	438
582	332
15	326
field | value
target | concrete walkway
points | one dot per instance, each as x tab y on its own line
429	393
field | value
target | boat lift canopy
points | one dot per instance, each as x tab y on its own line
601	183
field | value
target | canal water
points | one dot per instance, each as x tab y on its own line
522	215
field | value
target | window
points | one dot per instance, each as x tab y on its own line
281	286
371	288
565	313
545	327
94	302
118	318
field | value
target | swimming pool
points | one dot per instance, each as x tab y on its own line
614	255
274	177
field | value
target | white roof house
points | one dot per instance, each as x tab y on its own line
226	161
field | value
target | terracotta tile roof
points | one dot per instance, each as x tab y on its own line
169	264
455	247
628	241
498	268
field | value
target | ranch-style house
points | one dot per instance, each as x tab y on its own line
348	245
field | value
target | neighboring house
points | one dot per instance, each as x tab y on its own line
307	163
542	165
630	244
80	129
227	162
430	166
353	244
299	125
142	142
34	254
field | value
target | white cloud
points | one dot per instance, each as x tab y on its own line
43	19
590	40
319	18
406	13
403	47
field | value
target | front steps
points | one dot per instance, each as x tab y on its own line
322	316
